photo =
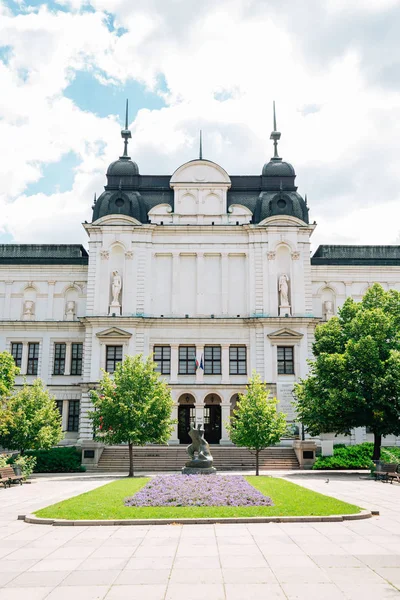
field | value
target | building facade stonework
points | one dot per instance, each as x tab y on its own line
211	274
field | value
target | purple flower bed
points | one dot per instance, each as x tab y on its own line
198	490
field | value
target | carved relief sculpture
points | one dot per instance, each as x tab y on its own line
328	309
70	310
29	310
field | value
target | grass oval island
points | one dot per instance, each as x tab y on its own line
107	504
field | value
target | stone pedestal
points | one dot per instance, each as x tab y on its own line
115	309
284	310
305	452
198	471
91	452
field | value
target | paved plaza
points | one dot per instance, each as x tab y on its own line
353	560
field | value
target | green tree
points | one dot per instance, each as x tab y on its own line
354	380
8	372
134	406
256	423
29	419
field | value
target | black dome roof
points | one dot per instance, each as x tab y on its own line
123	167
278	168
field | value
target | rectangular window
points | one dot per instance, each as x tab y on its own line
73	415
59	404
237	360
187	360
76	359
16	351
162	356
113	357
285	360
212	360
59	359
33	358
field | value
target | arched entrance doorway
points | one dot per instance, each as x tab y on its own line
212	418
186	417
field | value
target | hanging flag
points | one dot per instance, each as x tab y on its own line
201	363
197	364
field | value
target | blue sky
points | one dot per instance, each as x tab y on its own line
89	95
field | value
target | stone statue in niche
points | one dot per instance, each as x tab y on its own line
116	285
29	310
328	309
203	462
284	306
70	310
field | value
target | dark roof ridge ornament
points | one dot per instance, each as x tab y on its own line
201	146
276	136
126	134
94	201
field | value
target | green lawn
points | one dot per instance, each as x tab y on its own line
107	502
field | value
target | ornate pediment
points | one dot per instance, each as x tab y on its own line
114	333
285	334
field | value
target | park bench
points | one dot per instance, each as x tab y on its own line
387	472
7	476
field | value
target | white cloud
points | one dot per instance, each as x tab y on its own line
344	151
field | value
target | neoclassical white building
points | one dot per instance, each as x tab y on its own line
211	273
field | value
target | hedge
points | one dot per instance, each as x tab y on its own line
63	459
355	457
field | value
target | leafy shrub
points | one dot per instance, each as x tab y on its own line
65	459
4	460
355	457
390	455
26	464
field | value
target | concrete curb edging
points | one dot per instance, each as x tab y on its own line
33	519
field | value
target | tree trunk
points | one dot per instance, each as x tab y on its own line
130	459
257	456
377	446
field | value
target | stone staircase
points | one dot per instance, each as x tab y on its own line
173	458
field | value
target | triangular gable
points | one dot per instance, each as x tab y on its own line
285	334
115	333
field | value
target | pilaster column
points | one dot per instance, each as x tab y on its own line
68	356
348	289
200	282
65	409
225	363
85	424
174	363
7	300
225	415
173	440
50	299
199	372
24	359
175	284
224	283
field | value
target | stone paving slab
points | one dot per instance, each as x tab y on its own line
349	560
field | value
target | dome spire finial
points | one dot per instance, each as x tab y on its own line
125	133
276	136
201	146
